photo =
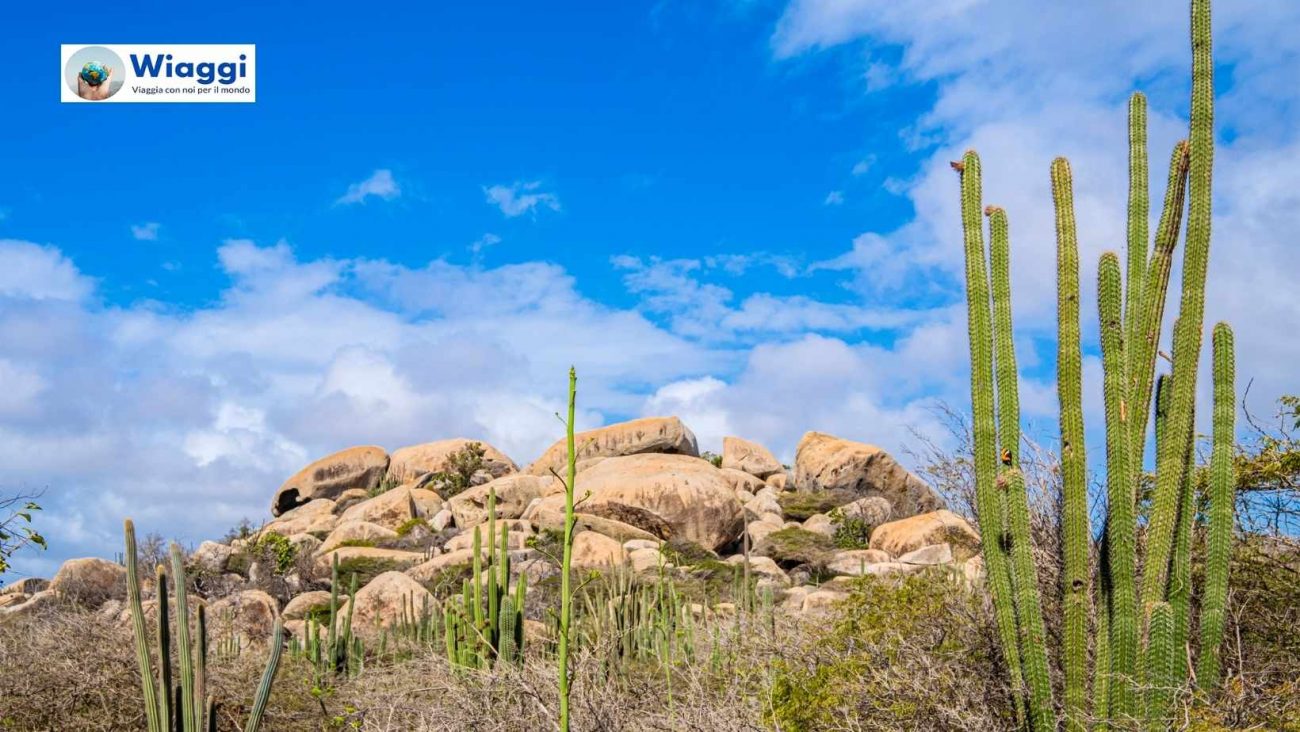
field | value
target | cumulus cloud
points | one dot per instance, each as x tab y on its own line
521	197
380	184
147	231
834	198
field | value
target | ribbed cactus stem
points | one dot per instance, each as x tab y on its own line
1221	509
1170	459
1121	542
508	618
989	501
268	678
1008	393
140	632
200	662
184	648
566	562
1180	565
164	650
1033	631
1160	660
1143	345
1074	533
1139	209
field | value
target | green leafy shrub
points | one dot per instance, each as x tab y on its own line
461	467
683	553
357	542
366	568
852	533
714	458
408	525
277	549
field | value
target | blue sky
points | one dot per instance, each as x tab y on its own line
739	212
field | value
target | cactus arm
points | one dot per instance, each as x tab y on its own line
1121	541
1033	631
184	650
1007	378
1075	536
268	678
1222	502
566	564
1139	210
140	632
1142	345
200	662
1187	335
164	651
1160	673
1180	567
989	503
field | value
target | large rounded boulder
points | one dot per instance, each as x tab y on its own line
751	457
654	492
827	463
664	435
89	581
513	494
355	467
414	462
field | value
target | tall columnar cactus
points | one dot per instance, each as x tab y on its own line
990	502
182	708
1130	318
1170	463
566	562
1121	542
1069	383
1219	535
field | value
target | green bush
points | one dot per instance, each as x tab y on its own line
684	553
794	546
410	524
366	568
276	549
461	467
852	533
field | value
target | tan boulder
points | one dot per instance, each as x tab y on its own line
644	560
762	566
210	557
687	495
392	559
822	602
426	571
314	517
820	523
35	604
513	494
517	538
26	586
382	601
411	463
825	462
9	599
89	581
855	561
249	614
355	531
592	550
356	467
927	555
548	515
395	507
936	527
760	530
751	457
647	435
742	481
780	481
300	606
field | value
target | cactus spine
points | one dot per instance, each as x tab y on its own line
1160	660
1121	542
1069	368
1139	207
1219	535
989	500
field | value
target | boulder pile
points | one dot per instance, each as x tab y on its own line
403	523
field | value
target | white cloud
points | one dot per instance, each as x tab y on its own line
35	272
380	184
146	232
521	198
484	242
834	198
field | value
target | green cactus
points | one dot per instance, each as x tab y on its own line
989	501
1160	667
1032	630
268	678
1139	209
1170	462
188	710
566	563
1121	542
1219	533
1180	566
1075	536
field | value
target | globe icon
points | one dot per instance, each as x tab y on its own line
94	73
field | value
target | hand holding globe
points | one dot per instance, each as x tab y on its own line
92	82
